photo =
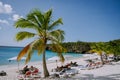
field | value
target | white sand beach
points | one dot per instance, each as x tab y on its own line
106	72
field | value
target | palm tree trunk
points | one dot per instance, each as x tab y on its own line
46	73
101	59
106	57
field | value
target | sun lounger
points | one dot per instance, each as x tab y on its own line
64	75
29	75
68	73
71	72
82	67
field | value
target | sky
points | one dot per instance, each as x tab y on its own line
83	20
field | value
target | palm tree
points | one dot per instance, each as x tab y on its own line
45	32
99	48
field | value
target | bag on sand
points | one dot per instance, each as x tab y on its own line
3	73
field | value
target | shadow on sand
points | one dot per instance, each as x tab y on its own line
91	77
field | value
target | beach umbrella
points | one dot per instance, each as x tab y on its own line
15	59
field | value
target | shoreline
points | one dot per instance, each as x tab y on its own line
36	61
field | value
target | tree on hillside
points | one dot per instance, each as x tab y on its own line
78	47
45	31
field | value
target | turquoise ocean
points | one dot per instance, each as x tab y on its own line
9	52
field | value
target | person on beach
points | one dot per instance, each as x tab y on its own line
32	68
25	69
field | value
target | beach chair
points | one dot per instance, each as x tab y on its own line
28	76
83	67
20	77
71	72
36	73
98	64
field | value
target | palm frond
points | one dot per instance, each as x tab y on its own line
36	16
29	54
39	45
24	23
57	34
47	18
55	23
23	52
59	50
24	35
62	59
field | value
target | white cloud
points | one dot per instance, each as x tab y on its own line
4	22
16	17
5	8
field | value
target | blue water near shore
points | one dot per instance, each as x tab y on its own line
8	52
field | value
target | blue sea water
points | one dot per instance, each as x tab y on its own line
8	52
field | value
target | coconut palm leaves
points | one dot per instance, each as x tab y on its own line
99	48
45	30
24	35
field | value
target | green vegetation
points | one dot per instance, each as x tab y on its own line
111	47
77	47
45	31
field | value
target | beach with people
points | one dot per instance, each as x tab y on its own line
109	71
60	40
